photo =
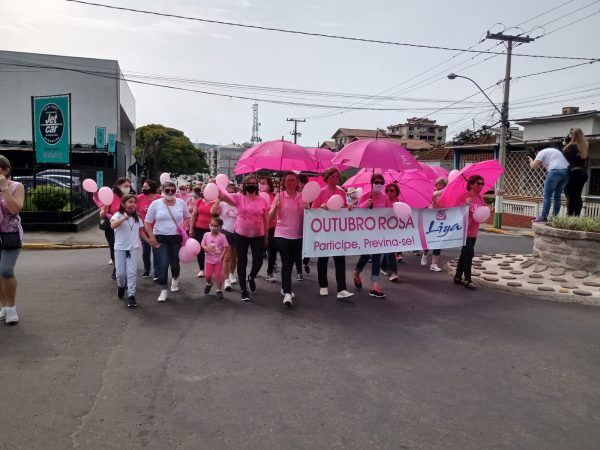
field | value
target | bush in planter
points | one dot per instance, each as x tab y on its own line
49	198
591	224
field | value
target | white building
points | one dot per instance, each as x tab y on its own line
223	159
419	128
99	98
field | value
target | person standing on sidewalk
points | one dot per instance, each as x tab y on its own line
12	198
474	200
163	226
558	175
576	152
144	200
129	229
288	211
332	177
374	199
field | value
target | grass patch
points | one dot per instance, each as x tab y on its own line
591	224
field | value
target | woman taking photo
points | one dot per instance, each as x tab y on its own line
251	228
288	211
163	226
265	184
332	177
199	226
12	197
474	200
577	155
121	187
144	200
374	199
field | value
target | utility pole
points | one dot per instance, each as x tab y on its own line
255	140
504	117
295	133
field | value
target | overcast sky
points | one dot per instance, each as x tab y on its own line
212	52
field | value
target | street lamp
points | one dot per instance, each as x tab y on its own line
503	143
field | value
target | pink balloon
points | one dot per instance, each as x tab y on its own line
90	185
222	180
106	195
481	214
310	191
452	175
266	197
335	202
192	246
164	177
185	255
211	192
402	210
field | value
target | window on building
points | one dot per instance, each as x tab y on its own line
594	183
410	136
439	138
431	129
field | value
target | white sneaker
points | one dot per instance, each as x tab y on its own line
394	277
435	268
200	274
424	260
344	294
163	295
382	272
287	300
323	292
11	315
227	285
292	294
174	285
2	313
110	262
232	279
270	278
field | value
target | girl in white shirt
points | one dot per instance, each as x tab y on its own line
128	229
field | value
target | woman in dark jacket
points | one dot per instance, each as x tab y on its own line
577	154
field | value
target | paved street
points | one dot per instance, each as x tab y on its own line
432	366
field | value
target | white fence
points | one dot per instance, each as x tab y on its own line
591	208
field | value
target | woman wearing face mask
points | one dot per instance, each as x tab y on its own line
332	177
440	185
473	198
288	212
121	187
144	200
265	184
389	264
251	228
199	226
163	226
374	199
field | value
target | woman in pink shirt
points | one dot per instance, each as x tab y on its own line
144	200
265	184
374	199
288	212
250	230
474	199
332	177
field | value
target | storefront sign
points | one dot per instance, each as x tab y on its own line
51	117
100	137
112	142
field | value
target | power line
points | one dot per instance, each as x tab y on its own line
569	24
322	35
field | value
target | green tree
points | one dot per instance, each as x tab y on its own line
470	135
164	149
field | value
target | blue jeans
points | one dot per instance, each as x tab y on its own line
168	256
388	263
148	250
375	265
556	180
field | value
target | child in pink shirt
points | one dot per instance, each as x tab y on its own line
214	243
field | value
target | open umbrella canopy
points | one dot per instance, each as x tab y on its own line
489	170
323	157
275	155
415	188
376	154
433	172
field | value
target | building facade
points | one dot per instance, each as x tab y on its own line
419	128
223	158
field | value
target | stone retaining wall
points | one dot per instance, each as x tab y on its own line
573	250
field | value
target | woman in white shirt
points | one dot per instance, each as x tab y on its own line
556	179
164	222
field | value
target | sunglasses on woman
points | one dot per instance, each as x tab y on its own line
479	183
169	190
378	182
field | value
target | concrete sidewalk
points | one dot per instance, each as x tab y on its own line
511	231
92	237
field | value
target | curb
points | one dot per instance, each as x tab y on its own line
509	233
56	246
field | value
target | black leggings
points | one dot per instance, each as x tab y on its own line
198	234
577	179
256	245
290	250
271	251
465	260
109	234
340	271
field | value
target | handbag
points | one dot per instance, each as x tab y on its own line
180	229
104	224
10	241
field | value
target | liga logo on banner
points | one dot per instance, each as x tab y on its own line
370	231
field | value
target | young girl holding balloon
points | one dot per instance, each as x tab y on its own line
215	245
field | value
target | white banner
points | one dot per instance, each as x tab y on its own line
368	231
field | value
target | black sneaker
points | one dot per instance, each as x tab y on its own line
207	288
220	295
251	284
306	268
146	275
121	291
377	294
131	303
245	296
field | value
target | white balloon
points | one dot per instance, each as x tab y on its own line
402	210
164	177
452	175
222	180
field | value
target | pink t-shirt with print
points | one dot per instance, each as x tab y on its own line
326	194
476	202
380	200
290	216
216	244
250	215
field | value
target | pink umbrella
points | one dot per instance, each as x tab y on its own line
276	155
323	157
433	172
489	170
376	154
415	188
